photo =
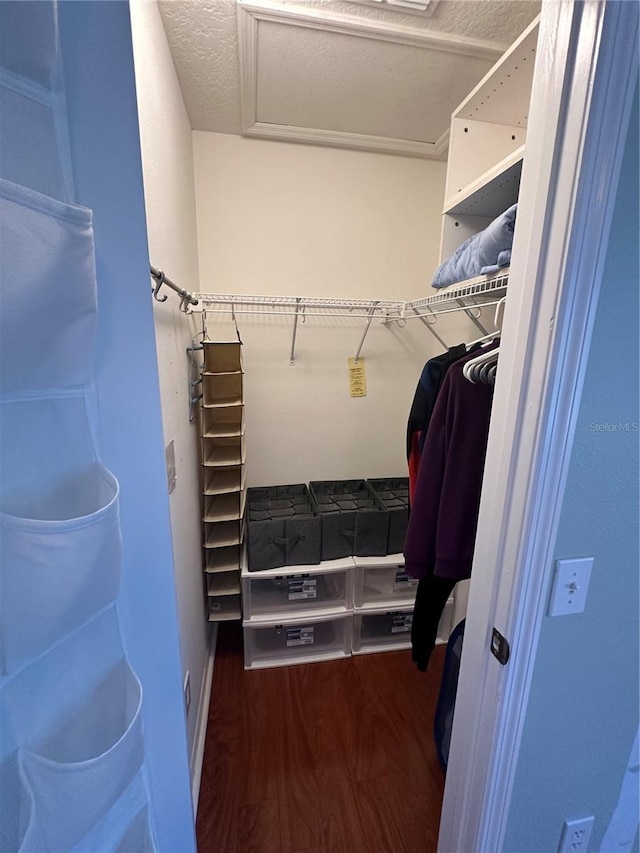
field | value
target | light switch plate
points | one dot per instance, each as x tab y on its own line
570	586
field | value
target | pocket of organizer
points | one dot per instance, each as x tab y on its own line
76	773
48	299
127	827
35	144
30	142
137	837
61	568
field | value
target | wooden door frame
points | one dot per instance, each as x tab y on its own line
583	86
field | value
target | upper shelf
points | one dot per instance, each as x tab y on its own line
492	192
471	292
498	97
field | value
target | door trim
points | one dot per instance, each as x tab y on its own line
582	91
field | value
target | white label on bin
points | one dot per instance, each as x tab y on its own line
403	580
302	588
299	637
401	622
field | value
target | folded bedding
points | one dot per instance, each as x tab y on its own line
483	253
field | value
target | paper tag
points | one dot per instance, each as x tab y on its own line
357	378
299	637
403	580
302	588
401	622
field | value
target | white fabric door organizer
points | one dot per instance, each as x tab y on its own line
72	771
58	505
72	724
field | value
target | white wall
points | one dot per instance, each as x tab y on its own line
275	217
278	218
165	134
583	709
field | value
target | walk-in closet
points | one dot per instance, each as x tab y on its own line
304	313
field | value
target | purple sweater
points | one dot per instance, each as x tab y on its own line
444	514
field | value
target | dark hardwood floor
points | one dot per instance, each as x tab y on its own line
322	757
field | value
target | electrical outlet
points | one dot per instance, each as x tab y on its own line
576	834
187	691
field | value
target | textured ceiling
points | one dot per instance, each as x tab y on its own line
358	85
331	81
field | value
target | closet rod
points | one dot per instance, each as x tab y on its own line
186	298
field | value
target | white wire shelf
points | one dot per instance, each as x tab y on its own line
481	288
486	288
470	296
293	301
293	306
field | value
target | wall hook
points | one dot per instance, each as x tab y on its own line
156	288
185	303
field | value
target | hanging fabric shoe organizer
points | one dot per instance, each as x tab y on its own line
72	772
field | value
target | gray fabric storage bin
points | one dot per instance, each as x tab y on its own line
354	520
284	528
394	494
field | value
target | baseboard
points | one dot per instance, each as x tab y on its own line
197	752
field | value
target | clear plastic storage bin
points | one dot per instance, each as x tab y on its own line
382	580
383	629
314	638
326	587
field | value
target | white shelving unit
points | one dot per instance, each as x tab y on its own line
487	145
223	471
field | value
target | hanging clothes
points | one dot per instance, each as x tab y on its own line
431	597
442	525
424	401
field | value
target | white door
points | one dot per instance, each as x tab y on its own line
583	84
